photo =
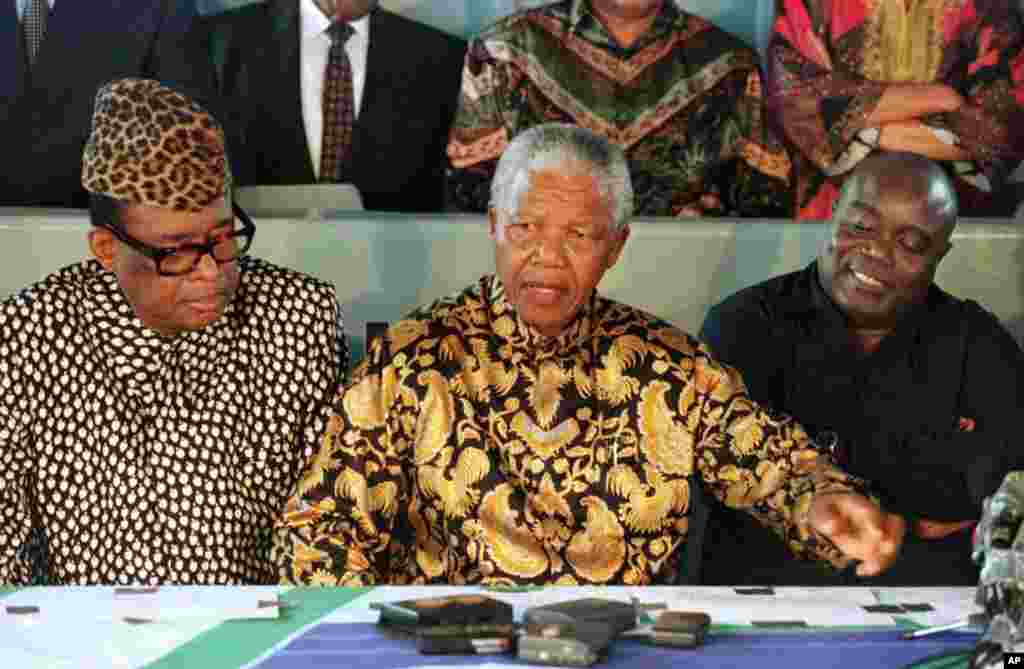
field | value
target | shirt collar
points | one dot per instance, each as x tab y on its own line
137	355
314	22
515	332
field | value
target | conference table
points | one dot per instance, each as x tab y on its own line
199	627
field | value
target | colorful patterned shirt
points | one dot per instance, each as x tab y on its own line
469	449
684	102
829	63
127	457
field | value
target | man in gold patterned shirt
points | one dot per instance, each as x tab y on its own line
530	431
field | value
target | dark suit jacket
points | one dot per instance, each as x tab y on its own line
45	117
411	90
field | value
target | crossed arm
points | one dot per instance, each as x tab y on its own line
824	106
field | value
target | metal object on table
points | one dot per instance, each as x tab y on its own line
575	633
999	549
681	629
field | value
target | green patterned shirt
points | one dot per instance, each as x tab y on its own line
684	102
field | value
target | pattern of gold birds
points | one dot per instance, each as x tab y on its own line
469	449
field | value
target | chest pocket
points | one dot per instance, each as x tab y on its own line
878	407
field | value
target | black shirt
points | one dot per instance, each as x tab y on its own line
929	418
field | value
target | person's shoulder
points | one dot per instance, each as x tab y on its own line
956	313
624	323
450	315
713	37
43	315
777	295
405	32
268	282
66	284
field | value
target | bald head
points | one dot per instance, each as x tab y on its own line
902	176
891	227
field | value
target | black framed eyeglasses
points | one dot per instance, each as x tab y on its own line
183	259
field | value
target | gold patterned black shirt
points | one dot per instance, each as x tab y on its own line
469	449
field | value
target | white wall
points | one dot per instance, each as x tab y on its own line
749	19
384	265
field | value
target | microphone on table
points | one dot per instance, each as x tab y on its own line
999	550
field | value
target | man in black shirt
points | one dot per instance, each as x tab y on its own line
909	387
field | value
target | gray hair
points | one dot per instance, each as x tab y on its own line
554	145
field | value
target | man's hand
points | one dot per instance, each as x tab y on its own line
908	102
858	528
915	137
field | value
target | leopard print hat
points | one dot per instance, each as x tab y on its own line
152	145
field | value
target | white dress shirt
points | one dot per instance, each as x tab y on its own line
313	47
22	4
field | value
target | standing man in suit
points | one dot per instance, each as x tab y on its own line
383	127
54	55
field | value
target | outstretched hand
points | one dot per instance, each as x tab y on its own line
858	528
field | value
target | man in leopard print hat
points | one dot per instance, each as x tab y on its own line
157	401
152	145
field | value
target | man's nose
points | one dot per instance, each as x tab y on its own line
207	268
879	249
551	248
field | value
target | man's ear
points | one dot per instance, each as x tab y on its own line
103	246
620	241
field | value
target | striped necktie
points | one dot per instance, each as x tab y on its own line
338	107
34	24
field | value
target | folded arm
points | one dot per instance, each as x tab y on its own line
899	115
822	109
835	117
989	126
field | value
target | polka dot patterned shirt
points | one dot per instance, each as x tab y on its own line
131	458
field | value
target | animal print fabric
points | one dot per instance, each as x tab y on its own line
154	146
